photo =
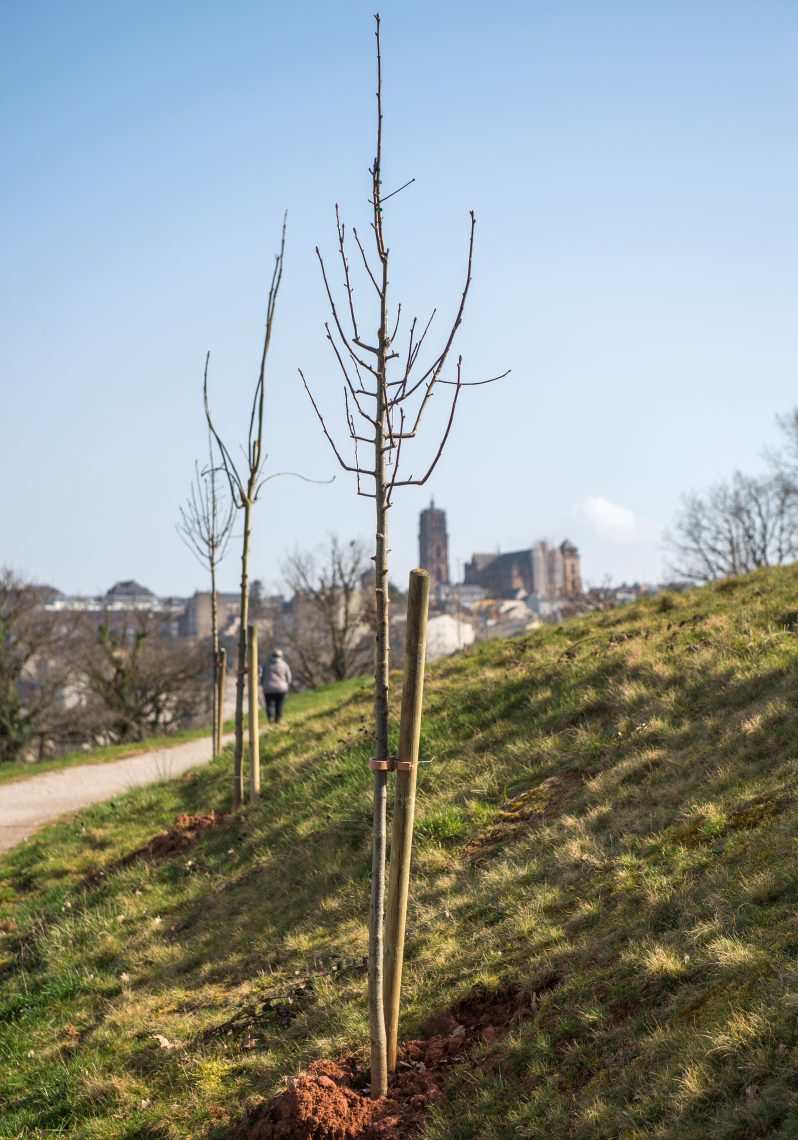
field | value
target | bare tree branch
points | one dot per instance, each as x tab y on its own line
420	482
326	626
338	325
477	383
330	440
393	193
347	279
230	469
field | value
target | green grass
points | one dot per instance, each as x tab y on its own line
609	820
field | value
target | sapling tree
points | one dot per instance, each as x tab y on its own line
387	390
205	526
139	682
245	487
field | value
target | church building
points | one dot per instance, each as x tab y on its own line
433	542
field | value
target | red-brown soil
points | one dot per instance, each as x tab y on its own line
184	832
331	1100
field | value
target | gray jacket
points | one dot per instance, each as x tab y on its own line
276	676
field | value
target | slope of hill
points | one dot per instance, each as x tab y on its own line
606	832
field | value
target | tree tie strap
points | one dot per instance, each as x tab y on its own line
382	765
392	764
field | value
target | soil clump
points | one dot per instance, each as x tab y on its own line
331	1100
183	833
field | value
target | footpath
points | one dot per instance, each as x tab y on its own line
26	805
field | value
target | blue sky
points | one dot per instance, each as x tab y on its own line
633	169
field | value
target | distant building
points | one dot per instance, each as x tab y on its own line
433	542
572	569
447	635
196	621
131	593
544	570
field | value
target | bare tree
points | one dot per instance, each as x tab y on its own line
784	460
735	527
244	491
205	526
386	395
327	628
34	665
142	683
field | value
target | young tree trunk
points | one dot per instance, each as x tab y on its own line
379	1048
379	1064
217	736
241	674
221	694
254	736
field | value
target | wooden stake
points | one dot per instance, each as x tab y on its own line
215	708
404	803
254	735
220	698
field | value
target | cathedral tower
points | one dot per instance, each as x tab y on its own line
433	544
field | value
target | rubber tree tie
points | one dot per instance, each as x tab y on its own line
382	765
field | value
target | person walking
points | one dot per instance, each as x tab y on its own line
276	683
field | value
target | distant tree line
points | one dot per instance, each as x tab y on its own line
743	523
68	683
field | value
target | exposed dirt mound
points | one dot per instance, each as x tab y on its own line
331	1100
185	831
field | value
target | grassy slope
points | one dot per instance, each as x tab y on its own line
613	804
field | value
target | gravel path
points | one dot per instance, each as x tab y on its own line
26	805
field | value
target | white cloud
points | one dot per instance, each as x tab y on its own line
614	522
